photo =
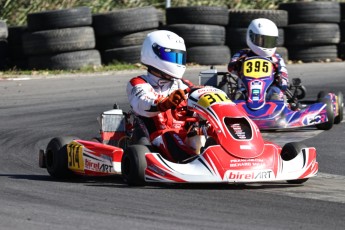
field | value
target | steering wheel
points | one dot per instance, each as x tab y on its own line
181	113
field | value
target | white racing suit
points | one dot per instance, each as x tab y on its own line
166	133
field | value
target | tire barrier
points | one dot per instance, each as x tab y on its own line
60	39
308	31
216	55
341	45
313	32
120	32
203	29
197	15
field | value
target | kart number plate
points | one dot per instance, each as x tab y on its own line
257	68
75	156
210	98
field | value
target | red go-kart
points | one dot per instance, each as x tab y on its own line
235	153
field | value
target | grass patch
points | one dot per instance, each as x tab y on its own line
116	66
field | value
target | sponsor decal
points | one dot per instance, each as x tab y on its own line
157	170
250	175
210	98
255	94
75	156
97	166
245	147
105	168
179	140
238	131
246	162
310	120
257	68
106	157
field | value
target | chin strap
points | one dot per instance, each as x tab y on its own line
159	73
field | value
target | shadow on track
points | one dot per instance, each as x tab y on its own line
116	181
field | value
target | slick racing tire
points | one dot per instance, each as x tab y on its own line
289	152
330	115
301	92
56	158
133	165
340	105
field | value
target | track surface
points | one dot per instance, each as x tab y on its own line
34	111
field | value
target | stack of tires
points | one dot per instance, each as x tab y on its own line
239	21
313	31
3	44
203	29
16	57
120	33
60	39
341	45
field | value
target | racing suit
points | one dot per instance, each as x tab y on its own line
275	91
144	93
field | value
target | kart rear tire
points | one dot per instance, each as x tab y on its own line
133	165
301	92
56	158
139	137
330	115
321	95
289	152
340	103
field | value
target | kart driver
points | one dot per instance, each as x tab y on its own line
153	95
262	36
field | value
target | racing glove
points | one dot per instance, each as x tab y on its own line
171	101
281	81
236	65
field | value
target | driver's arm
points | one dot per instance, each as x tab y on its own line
142	98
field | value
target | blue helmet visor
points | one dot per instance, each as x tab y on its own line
170	55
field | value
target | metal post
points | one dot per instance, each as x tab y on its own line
167	3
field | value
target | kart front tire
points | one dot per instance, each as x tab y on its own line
289	152
56	158
330	115
340	102
133	165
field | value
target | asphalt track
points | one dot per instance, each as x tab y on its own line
35	110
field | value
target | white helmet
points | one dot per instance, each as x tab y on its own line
262	36
165	51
